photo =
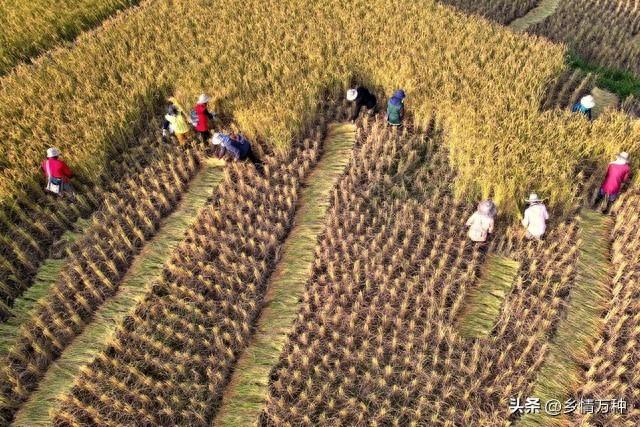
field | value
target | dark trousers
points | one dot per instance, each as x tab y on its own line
205	136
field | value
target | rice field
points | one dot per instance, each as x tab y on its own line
334	285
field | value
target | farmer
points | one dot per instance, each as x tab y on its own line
395	108
584	106
362	98
200	117
481	222
57	172
235	145
535	217
176	124
618	173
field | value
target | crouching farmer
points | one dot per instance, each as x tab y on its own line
535	217
361	97
176	124
585	106
57	172
235	146
618	174
395	108
482	221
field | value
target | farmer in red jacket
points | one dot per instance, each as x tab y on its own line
202	118
57	172
617	174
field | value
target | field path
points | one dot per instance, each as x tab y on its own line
559	377
247	391
484	301
145	269
542	11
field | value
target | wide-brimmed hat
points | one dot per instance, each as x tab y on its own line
216	139
399	94
624	156
53	152
588	101
352	94
533	198
203	99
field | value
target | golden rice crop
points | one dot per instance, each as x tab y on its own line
171	359
32	27
129	216
486	81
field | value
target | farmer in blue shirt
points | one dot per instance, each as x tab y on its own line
235	146
584	106
395	108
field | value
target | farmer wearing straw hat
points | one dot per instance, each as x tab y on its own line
176	124
482	221
618	173
535	217
57	172
395	108
584	106
362	98
200	117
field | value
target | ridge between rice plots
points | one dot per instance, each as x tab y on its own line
172	357
542	11
247	390
147	268
483	302
560	375
93	271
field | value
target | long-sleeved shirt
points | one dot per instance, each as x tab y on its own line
579	108
55	168
535	219
175	123
203	117
363	99
239	148
617	173
480	225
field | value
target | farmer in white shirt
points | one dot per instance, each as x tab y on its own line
481	222
535	217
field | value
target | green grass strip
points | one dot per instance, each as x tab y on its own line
485	300
146	269
560	375
47	275
247	391
621	82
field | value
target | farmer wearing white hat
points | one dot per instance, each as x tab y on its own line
200	117
57	172
584	106
235	146
175	124
535	217
362	98
482	221
618	173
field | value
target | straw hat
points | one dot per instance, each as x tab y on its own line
588	102
624	156
533	198
216	139
53	152
352	94
203	99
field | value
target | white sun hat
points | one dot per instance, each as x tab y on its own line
216	139
588	102
352	94
624	156
203	99
487	207
533	198
53	152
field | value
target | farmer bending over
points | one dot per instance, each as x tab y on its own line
236	146
395	108
535	217
618	173
584	106
175	123
362	98
57	172
481	222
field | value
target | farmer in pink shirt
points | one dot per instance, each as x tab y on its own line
618	173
